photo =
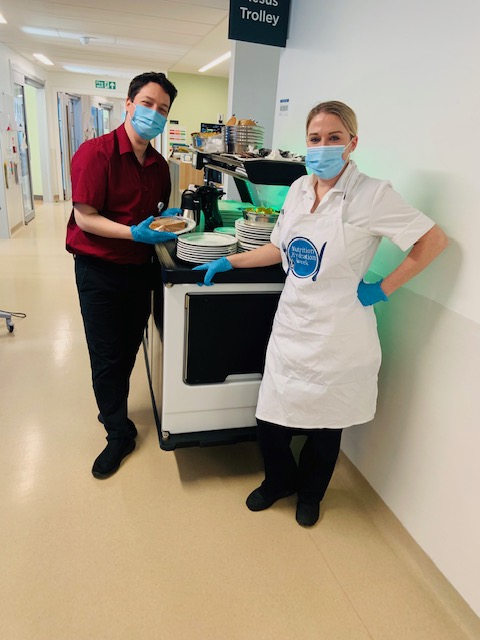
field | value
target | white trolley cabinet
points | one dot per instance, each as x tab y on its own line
205	370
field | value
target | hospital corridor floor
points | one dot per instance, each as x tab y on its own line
166	549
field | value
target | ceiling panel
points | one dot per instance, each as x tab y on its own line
180	35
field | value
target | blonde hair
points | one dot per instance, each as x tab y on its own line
340	109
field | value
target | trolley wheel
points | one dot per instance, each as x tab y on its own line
10	327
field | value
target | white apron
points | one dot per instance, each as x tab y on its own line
323	355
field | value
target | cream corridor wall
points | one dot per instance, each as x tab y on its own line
200	99
406	69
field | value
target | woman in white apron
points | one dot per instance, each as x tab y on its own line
323	356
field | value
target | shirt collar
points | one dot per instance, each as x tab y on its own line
350	172
125	146
347	175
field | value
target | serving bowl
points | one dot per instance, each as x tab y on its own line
257	216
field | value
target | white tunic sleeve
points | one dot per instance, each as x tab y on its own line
391	217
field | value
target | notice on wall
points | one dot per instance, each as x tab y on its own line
259	21
177	135
283	106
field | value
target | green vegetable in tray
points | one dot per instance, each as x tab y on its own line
268	211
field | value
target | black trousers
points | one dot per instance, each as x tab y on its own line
315	465
115	303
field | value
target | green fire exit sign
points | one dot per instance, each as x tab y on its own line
105	84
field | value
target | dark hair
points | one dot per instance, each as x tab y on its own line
151	76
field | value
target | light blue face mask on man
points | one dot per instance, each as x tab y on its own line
148	123
326	162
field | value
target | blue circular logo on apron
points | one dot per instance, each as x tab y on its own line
304	260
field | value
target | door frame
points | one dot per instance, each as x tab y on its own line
22	77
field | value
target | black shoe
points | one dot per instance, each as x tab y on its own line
133	429
109	460
307	514
257	501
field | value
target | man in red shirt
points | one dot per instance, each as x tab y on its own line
118	182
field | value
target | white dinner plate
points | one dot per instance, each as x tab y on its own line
249	245
195	260
208	240
254	225
248	237
204	255
258	234
200	258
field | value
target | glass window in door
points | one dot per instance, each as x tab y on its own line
20	119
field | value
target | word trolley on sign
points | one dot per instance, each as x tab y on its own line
259	21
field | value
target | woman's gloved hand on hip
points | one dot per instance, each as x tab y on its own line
171	212
217	266
142	233
370	293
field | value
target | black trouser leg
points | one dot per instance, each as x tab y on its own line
115	304
280	465
316	463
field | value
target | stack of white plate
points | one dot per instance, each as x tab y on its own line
205	247
251	236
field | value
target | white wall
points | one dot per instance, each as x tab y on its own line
253	84
407	69
251	91
200	99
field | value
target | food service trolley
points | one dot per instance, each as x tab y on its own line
206	352
205	346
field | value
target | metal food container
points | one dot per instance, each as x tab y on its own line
259	218
238	138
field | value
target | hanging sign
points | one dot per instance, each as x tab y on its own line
105	84
259	21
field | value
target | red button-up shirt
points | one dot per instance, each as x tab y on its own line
107	176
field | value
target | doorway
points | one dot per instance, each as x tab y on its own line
30	117
32	97
71	135
100	118
25	173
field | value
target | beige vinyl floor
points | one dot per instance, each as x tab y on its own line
166	549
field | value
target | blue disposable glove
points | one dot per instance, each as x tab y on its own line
217	266
371	292
171	212
142	233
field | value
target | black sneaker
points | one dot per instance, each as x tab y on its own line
257	501
307	514
109	460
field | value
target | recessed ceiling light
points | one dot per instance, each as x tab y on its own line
58	33
214	63
51	33
2	19
105	73
41	58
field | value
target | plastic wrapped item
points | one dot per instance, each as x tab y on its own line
214	144
208	142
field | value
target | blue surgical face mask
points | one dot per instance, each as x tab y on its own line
326	162
148	123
